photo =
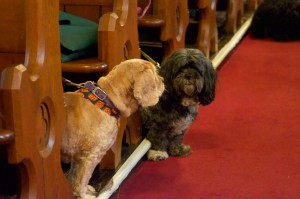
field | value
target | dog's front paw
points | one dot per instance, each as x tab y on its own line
91	190
90	193
181	150
87	197
157	155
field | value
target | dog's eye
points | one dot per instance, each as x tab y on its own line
180	75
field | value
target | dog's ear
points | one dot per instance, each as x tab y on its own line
148	88
207	95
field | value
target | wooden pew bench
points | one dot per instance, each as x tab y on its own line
234	14
205	34
253	4
117	41
165	23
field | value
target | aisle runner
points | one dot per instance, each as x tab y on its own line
246	144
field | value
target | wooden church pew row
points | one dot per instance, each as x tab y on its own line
171	18
234	15
117	41
253	4
207	39
31	103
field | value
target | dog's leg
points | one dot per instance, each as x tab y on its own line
159	144
176	147
82	173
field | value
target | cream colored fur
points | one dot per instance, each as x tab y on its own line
90	132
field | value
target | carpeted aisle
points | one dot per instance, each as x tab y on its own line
246	144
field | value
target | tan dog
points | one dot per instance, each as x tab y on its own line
90	131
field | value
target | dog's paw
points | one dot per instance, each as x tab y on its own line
181	150
91	190
157	155
89	194
186	150
87	197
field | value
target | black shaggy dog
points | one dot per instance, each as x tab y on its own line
190	80
277	19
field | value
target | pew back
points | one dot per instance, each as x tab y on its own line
12	34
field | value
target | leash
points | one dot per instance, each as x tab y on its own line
150	59
69	83
81	85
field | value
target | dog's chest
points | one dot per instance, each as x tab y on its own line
182	124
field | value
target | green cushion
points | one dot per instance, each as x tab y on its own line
65	57
78	37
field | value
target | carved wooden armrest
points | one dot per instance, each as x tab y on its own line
151	22
86	66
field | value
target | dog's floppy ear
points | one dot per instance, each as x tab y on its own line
207	95
148	88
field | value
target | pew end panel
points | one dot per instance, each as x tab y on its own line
253	4
31	104
170	19
120	31
202	30
234	15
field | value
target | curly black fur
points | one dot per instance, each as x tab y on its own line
277	19
190	80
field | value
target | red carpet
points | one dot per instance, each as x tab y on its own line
246	144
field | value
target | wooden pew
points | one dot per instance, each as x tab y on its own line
117	41
253	4
207	37
31	100
234	15
117	37
31	108
170	17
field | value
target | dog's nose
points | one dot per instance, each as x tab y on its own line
189	89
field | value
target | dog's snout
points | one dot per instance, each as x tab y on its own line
189	89
189	83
